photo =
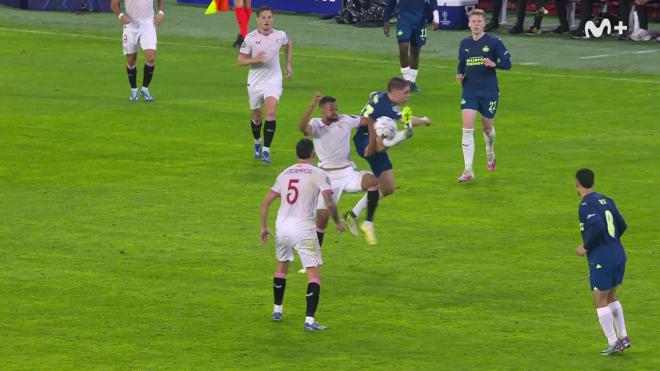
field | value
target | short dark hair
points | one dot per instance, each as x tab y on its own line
304	148
326	99
397	83
585	177
263	9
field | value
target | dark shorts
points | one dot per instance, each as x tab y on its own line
486	105
407	33
379	161
603	277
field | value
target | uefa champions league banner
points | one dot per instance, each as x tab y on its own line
295	6
62	5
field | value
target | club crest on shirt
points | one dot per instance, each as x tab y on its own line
486	49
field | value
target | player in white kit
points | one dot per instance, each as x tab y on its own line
139	30
332	142
261	51
299	186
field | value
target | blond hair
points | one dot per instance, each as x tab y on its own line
477	12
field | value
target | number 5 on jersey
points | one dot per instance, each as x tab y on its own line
292	191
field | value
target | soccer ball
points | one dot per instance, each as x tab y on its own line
385	127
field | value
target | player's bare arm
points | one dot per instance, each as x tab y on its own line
158	20
123	18
265	204
305	127
289	56
246	60
332	209
371	148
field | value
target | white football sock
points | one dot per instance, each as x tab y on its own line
619	323
468	148
360	206
490	142
266	149
277	308
413	75
606	320
399	137
405	72
309	320
257	141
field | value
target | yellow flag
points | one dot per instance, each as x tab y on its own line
212	9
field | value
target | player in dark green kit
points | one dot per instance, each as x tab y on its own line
414	16
602	226
478	57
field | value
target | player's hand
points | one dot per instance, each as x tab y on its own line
124	20
435	26
369	150
580	250
489	63
459	78
261	57
316	98
158	20
641	2
386	28
264	235
340	227
289	71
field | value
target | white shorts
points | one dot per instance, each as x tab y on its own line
307	246
346	180
257	94
139	32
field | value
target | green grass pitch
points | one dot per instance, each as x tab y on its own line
129	231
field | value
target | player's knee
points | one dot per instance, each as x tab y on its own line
386	191
256	116
370	181
270	114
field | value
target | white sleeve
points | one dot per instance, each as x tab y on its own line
276	187
314	123
286	38
246	47
353	121
324	181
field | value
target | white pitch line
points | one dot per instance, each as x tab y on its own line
647	51
349	59
595	56
529	63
